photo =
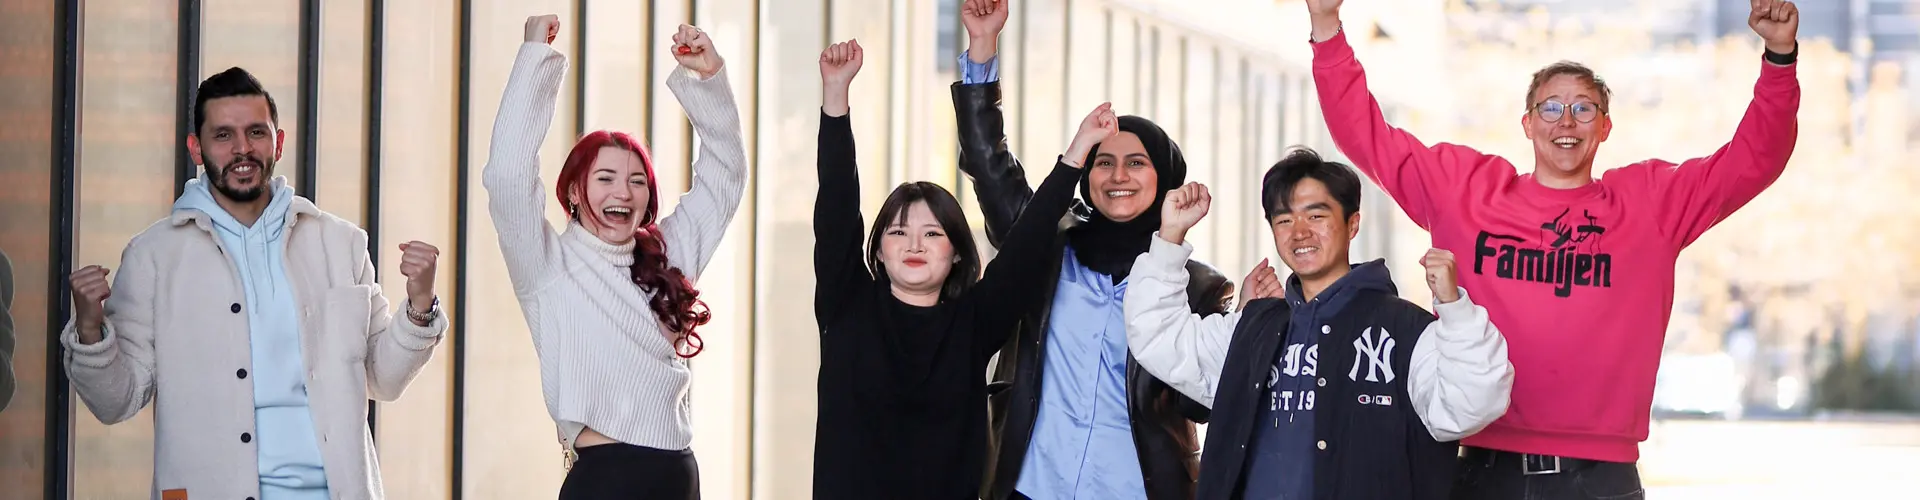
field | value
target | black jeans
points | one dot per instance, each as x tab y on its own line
624	471
1498	475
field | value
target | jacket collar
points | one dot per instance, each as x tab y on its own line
299	207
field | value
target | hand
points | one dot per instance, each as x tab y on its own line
1184	207
984	19
417	263
543	29
840	63
1777	22
1325	15
1442	277
1261	283
693	49
1095	128
90	292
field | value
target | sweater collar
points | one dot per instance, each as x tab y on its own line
618	255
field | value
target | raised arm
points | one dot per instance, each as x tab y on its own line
515	198
694	229
397	345
999	180
1017	278
839	264
109	341
1414	174
1703	191
1460	379
1183	349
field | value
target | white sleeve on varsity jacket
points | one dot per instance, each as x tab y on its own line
1183	349
1460	380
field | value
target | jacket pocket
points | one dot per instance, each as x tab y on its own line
345	314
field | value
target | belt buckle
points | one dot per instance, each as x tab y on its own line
1534	465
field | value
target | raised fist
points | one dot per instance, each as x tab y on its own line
1442	276
1261	283
90	292
1097	127
693	49
418	262
984	18
543	29
840	62
1777	22
1184	207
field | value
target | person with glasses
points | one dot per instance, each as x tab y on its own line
1577	271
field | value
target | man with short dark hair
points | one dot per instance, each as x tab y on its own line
1578	271
1338	390
252	322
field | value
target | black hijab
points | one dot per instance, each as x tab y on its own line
1109	247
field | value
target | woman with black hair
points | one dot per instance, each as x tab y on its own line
908	323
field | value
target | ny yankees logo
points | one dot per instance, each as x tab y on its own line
1377	352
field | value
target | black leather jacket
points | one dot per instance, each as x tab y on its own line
1163	433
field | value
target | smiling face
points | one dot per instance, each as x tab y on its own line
237	146
1313	231
613	199
1564	146
916	252
1121	180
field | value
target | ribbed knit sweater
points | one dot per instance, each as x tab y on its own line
604	362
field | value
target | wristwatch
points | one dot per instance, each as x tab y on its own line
425	318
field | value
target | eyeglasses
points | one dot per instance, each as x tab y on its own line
1583	111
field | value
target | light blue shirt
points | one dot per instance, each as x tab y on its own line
289	452
1082	445
975	73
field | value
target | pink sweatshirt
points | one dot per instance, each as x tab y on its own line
1580	280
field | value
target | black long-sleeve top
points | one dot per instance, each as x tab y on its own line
902	390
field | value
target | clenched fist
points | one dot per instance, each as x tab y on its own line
418	262
1097	127
1442	276
90	292
1777	22
693	49
840	63
984	18
543	29
1184	207
1261	283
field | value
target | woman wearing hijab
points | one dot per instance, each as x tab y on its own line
610	300
908	323
1073	415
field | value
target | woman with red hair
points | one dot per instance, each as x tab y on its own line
610	300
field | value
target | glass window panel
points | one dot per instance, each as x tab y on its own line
342	166
1043	100
420	58
1197	137
29	50
506	456
125	183
787	346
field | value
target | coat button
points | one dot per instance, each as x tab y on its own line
248	438
1323	445
1324	329
1323	382
242	373
235	308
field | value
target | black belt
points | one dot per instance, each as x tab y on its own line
1530	464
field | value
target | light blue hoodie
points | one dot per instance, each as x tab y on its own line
289	453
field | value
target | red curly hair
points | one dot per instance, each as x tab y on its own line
674	301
